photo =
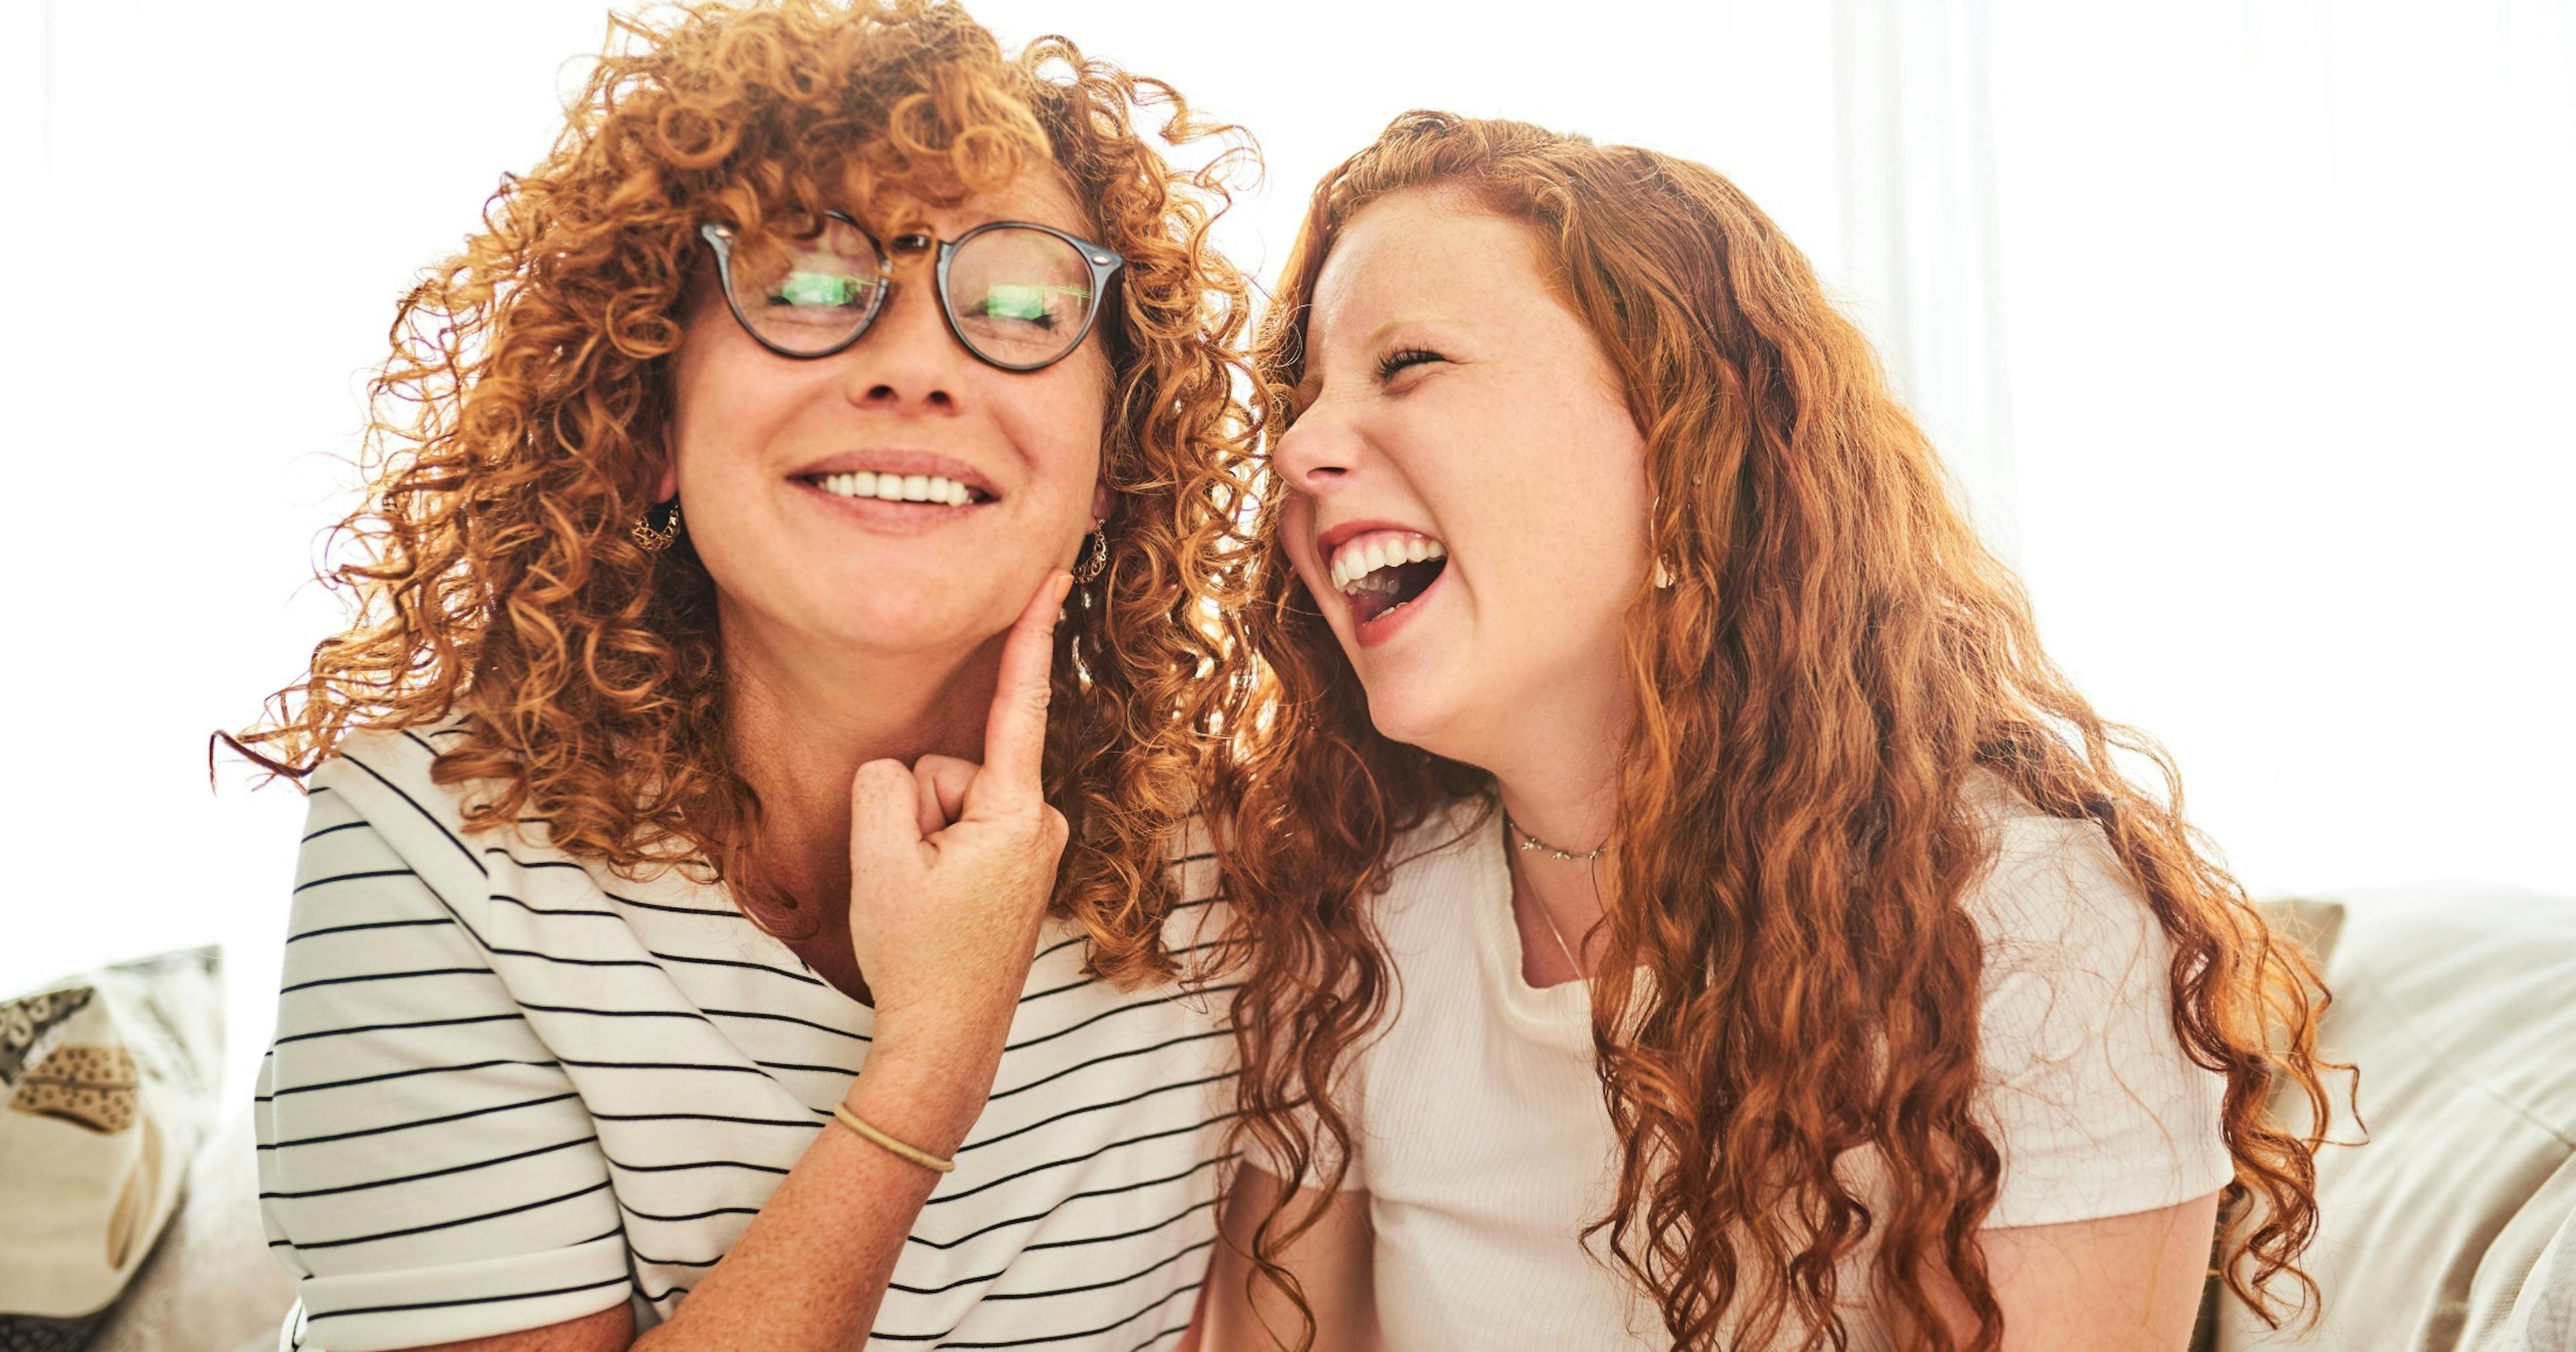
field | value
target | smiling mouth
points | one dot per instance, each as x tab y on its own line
1381	572
933	490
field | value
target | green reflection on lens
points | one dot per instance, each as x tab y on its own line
817	288
1016	302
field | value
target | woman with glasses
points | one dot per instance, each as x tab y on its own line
748	898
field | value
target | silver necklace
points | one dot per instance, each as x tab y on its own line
1531	842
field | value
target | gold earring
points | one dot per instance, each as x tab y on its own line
654	540
1096	562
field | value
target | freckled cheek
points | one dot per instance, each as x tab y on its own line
729	412
1063	459
1059	416
1296	527
717	444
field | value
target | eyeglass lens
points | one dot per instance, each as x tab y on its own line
1018	297
806	295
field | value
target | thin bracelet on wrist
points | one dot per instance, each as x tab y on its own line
909	1153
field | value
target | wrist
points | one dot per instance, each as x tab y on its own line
930	1106
944	1044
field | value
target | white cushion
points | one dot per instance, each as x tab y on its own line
2458	1003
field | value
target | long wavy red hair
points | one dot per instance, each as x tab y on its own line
1840	656
520	425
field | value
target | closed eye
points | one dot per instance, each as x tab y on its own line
1401	358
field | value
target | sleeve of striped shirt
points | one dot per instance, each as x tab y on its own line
426	1170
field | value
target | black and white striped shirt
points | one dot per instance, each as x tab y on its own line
509	1090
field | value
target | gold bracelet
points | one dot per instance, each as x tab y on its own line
910	1153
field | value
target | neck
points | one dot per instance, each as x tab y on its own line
1559	777
801	718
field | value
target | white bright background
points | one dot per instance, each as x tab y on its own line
2246	324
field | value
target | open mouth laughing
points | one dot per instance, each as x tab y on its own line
1381	572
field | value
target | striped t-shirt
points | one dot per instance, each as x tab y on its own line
509	1090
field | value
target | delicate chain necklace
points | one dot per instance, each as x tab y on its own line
1561	945
1531	842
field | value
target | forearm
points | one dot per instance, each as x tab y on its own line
811	1268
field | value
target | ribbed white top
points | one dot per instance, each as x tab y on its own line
1486	1148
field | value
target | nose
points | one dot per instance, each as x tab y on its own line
906	362
1318	453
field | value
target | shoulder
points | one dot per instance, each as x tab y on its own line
2096	1105
2051	892
385	777
372	766
1440	866
2076	992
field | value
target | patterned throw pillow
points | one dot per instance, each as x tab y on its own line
107	1085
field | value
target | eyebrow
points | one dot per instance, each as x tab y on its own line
1378	338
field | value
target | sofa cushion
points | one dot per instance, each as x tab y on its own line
210	1285
107	1085
2454	1002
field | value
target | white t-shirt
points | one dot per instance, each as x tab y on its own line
508	1090
1485	1147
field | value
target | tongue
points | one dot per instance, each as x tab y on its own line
1410	579
1368	605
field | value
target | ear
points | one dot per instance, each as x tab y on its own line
1100	500
668	486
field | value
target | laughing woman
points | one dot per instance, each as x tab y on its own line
638	832
1702	915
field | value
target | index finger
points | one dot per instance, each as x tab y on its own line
1015	729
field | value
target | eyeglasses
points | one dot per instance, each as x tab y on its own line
1018	295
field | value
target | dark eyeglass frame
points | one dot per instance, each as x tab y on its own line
1103	261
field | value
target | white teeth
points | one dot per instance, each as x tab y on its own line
1355	567
937	488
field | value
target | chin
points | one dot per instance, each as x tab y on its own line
900	615
1428	719
935	625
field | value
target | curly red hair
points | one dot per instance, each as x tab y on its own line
1840	658
521	416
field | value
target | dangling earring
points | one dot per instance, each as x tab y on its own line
652	539
1663	570
1097	561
